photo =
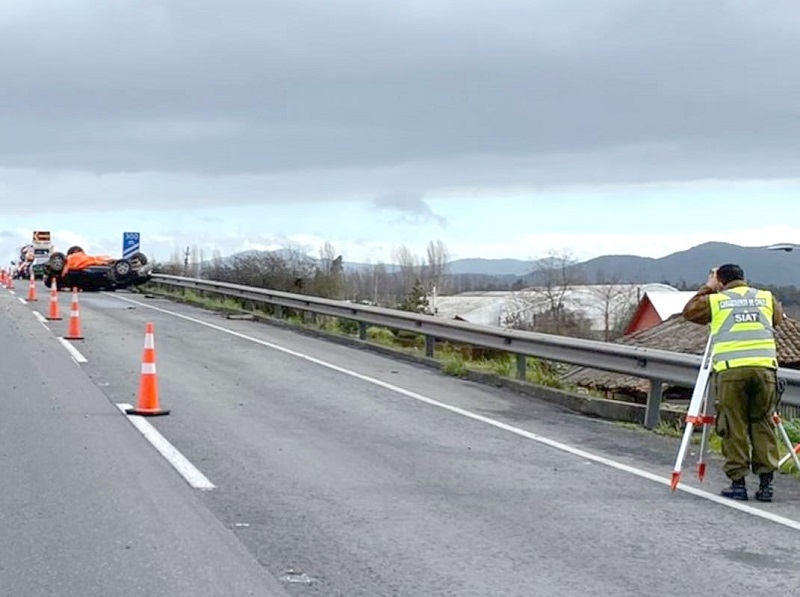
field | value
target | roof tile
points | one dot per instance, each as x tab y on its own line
679	335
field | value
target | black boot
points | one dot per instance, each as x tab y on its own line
764	492
737	491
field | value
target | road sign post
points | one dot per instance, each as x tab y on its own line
130	244
41	236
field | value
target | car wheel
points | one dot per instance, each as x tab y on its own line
56	264
122	268
140	257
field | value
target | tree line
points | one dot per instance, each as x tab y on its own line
290	269
413	282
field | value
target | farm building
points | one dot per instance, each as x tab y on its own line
603	307
658	305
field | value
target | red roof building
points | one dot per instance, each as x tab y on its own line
656	307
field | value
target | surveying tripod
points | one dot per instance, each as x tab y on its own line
698	414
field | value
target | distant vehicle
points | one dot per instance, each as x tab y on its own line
78	270
34	256
23	265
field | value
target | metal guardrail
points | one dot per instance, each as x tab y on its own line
657	366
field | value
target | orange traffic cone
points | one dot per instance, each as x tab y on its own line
32	289
54	314
10	282
148	380
74	332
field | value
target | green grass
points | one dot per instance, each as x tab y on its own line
792	427
454	364
380	336
503	367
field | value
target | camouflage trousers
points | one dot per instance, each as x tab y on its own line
745	399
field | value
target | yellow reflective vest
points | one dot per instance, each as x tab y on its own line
741	327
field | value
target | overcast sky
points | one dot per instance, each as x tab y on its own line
370	124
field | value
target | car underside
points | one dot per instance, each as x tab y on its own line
109	274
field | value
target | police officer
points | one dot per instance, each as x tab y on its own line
744	363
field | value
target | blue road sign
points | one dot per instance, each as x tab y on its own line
130	244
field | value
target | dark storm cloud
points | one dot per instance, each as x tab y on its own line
271	95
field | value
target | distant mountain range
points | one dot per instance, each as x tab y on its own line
689	267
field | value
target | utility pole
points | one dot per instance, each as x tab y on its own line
186	262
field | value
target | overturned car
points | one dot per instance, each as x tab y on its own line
78	270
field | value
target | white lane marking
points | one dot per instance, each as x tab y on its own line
22	300
179	462
74	352
41	319
787	522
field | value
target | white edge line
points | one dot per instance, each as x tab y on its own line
179	462
22	300
74	352
787	522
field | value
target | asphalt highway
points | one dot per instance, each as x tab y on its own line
339	472
85	508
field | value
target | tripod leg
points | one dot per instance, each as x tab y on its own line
707	422
676	471
792	449
786	458
693	415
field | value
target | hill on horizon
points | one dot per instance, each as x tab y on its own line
689	267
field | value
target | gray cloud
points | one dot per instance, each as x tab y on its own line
411	206
275	100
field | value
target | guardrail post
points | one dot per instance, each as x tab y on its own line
430	345
362	330
277	311
652	413
522	367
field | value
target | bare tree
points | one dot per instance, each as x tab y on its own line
195	259
613	301
437	266
327	255
380	285
329	274
410	268
553	277
299	268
